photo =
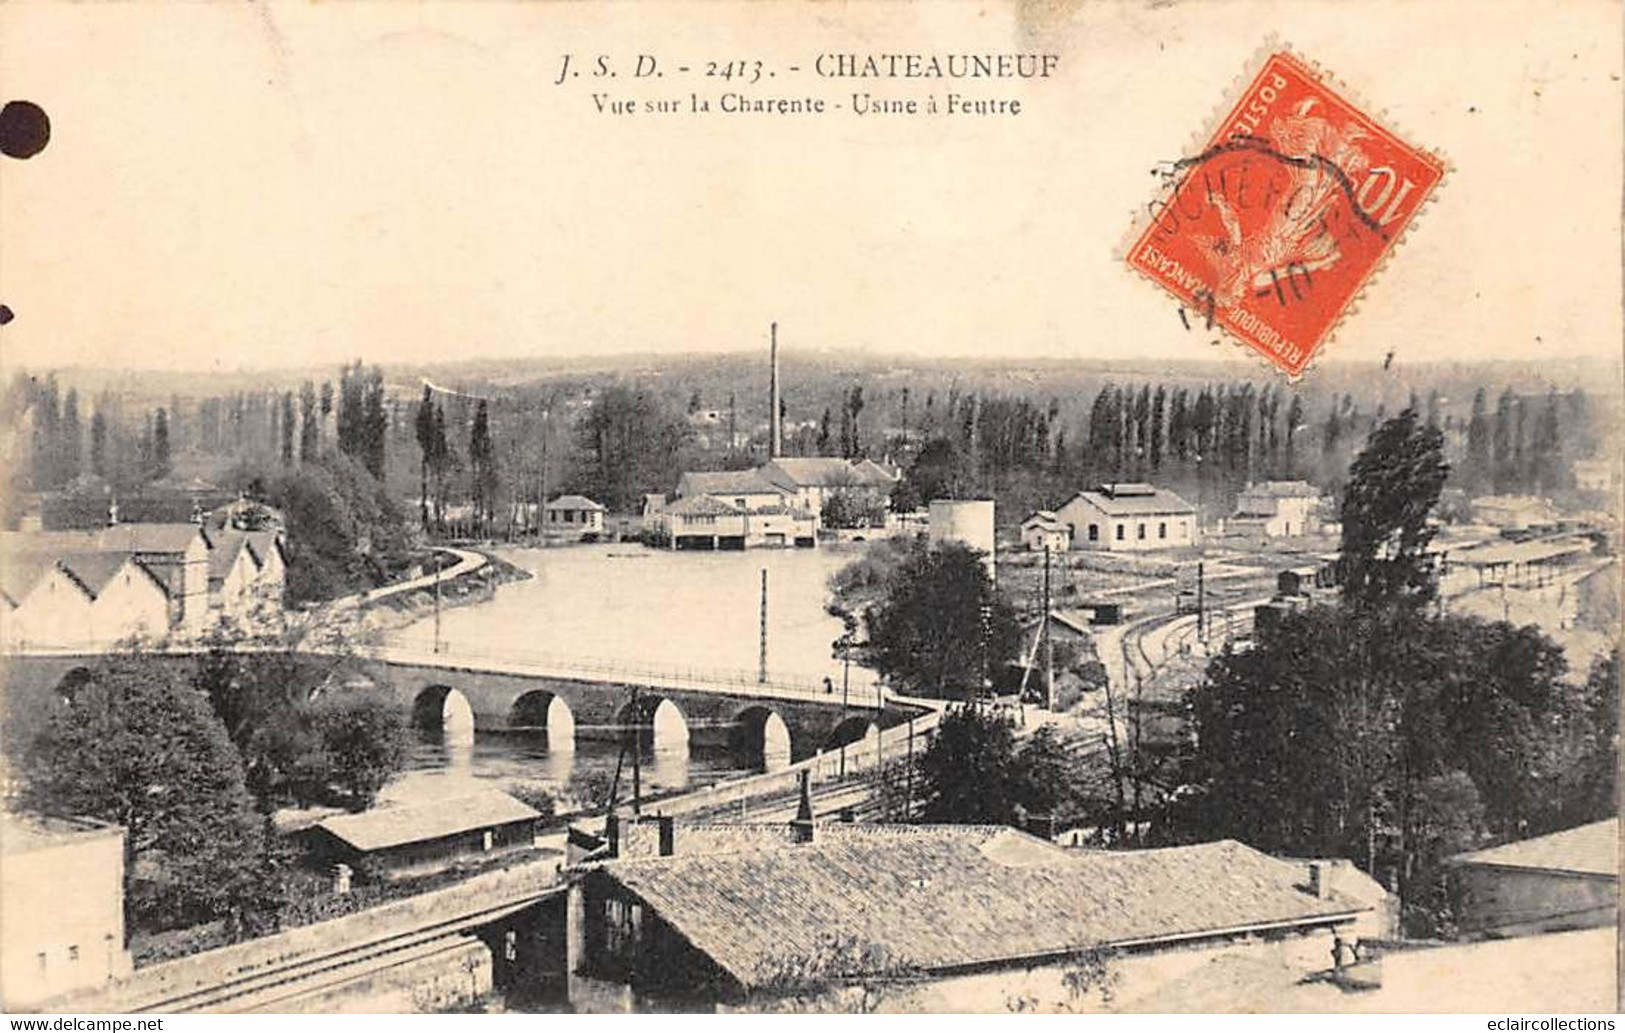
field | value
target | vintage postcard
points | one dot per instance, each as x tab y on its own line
1026	506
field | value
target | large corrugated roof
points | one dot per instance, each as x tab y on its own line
938	897
400	824
1589	850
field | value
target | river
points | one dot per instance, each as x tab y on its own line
627	605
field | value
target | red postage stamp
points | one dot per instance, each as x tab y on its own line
1271	231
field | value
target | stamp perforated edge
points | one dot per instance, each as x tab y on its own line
1200	138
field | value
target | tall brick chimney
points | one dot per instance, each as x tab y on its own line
775	421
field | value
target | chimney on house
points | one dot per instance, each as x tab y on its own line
775	421
668	834
801	830
1323	879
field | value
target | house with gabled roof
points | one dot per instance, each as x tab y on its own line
1129	516
932	917
1277	509
77	600
731	509
573	515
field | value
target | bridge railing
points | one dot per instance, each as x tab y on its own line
901	741
731	680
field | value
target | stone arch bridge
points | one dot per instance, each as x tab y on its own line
791	722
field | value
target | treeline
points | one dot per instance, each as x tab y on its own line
477	455
62	449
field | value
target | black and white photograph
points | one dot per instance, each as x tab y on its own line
1098	507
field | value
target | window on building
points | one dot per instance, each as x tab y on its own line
1139	531
740	503
73	953
1162	530
488	840
1094	532
569	516
40	957
1119	532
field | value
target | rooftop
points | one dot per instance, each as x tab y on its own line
826	472
22	832
1282	490
396	825
702	505
949	897
727	482
574	502
1135	499
1587	850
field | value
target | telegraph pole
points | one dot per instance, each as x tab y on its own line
437	569
541	502
761	665
1049	641
637	751
1201	603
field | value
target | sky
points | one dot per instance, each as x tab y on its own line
262	186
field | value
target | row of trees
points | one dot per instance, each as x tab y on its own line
63	448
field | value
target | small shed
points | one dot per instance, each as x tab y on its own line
1565	880
414	839
573	513
1044	530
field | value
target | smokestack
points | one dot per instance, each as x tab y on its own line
776	447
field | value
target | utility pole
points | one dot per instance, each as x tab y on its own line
1201	602
541	501
637	752
761	663
1049	641
436	602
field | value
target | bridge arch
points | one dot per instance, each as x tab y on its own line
444	709
654	721
540	710
69	684
855	729
761	737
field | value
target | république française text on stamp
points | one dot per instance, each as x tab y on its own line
1273	228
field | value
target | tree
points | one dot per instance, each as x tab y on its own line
627	446
938	472
1392	489
1504	468
940	628
365	735
970	772
1386	736
72	438
310	427
98	444
977	772
138	746
424	426
1476	472
482	465
161	462
288	428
